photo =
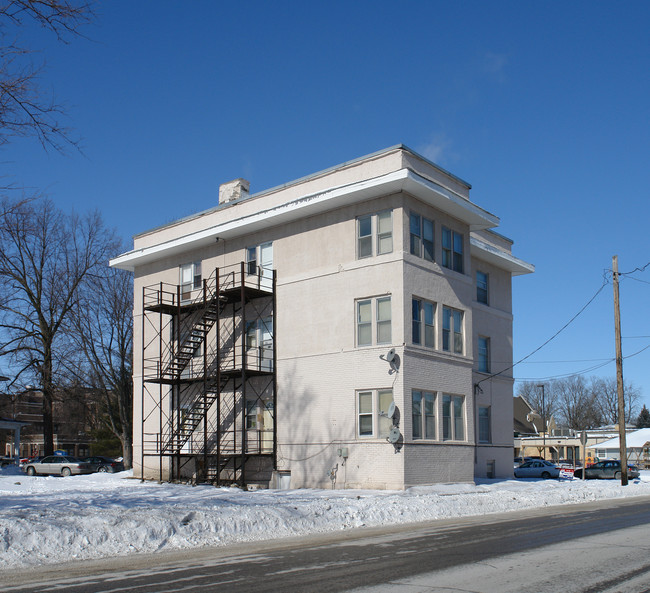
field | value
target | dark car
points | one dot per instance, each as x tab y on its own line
58	465
104	464
606	470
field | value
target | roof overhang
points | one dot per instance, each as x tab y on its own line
404	180
499	258
12	424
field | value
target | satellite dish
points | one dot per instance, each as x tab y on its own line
390	357
391	410
394	435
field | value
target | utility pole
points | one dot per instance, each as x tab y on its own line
543	419
619	375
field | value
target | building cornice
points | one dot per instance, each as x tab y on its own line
403	180
501	259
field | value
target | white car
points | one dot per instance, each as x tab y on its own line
58	465
537	468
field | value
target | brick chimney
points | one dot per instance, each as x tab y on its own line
233	190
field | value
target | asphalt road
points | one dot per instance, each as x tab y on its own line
589	548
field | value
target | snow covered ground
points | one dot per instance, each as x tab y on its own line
50	519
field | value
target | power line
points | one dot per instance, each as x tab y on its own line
641	269
555	335
563	376
637	280
584	371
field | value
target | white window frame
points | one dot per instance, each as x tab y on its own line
453	418
423	326
259	344
418	241
364	241
371	321
482	287
453	336
423	424
374	240
373	415
452	258
193	280
255	266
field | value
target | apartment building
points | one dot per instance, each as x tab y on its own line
350	329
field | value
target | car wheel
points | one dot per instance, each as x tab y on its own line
546	475
102	468
65	472
31	471
617	476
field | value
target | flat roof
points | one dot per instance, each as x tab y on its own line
303	180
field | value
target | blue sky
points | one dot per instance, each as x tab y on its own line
544	107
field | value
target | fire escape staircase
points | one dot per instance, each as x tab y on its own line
199	323
194	416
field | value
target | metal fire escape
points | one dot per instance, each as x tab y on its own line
209	381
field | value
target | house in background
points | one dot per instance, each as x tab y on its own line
524	419
349	329
637	443
74	417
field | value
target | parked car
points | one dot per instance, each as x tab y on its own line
58	465
537	468
607	469
520	460
104	464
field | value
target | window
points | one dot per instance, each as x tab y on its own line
251	261
259	344
365	413
453	418
364	323
483	354
484	435
452	250
452	330
251	414
383	321
371	407
364	236
482	288
382	223
190	279
421	231
384	232
423	323
382	316
424	416
416	234
259	262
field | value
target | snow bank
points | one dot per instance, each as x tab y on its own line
51	519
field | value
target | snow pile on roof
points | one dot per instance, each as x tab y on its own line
633	440
50	519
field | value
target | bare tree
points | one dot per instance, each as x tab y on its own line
25	109
606	400
103	334
575	401
45	255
